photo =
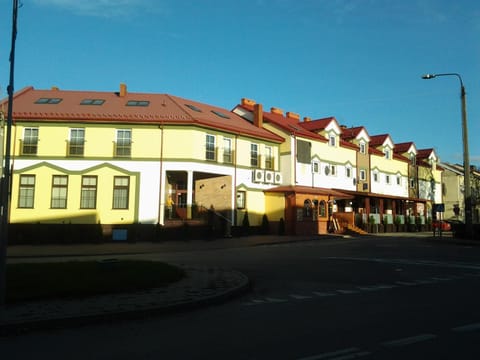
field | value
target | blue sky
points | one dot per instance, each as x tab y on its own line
358	60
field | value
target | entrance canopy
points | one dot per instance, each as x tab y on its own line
335	194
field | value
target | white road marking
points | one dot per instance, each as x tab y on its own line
318	293
470	327
275	300
409	340
300	297
344	354
406	283
347	291
367	288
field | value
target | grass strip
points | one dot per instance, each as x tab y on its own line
79	279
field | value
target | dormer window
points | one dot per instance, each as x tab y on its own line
413	159
363	148
388	154
332	140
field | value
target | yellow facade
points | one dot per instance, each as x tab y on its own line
104	213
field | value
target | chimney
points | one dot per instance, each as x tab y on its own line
293	115
258	115
249	102
307	119
123	90
277	111
55	88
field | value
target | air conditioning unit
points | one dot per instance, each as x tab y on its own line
269	177
278	178
258	176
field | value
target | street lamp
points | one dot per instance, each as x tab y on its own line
466	158
5	179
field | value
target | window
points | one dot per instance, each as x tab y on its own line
399	180
137	103
332	140
210	147
77	142
268	158
92	102
363	148
363	175
254	155
227	150
121	185
88	197
124	143
26	192
59	192
330	170
307	208
193	107
30	141
387	179
241	197
413	159
387	154
412	183
375	176
219	114
348	171
322	209
315	166
48	101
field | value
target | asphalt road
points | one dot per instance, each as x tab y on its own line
378	298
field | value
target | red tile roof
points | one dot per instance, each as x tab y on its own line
377	140
403	147
286	123
424	153
352	133
161	109
319	124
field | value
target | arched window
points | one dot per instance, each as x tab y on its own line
322	209
307	208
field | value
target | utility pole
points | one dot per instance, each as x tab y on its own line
5	180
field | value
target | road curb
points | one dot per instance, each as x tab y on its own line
239	286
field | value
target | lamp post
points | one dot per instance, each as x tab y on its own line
466	158
5	180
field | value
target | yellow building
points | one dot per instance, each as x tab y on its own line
117	157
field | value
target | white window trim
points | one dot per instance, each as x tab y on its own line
363	175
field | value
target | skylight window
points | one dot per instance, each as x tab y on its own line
138	103
48	101
193	107
92	102
222	115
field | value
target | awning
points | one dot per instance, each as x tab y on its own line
335	194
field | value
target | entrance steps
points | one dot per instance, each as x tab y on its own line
356	230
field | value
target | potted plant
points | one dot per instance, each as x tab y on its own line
372	225
398	223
